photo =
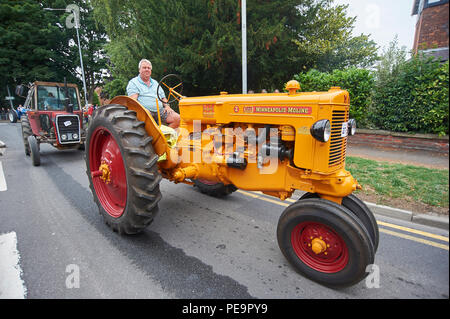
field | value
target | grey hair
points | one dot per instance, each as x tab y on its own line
145	60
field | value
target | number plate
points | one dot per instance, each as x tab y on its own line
344	130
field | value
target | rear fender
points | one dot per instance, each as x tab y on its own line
159	142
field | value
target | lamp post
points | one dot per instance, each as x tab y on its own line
79	48
244	45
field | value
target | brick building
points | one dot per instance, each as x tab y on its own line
432	27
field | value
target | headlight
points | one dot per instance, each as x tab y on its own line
64	137
75	136
321	130
351	127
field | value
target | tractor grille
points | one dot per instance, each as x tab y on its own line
338	144
67	125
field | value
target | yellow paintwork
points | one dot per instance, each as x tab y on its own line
292	87
106	173
318	246
292	114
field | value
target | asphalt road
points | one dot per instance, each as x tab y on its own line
197	247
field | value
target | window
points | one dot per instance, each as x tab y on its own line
53	98
423	4
431	3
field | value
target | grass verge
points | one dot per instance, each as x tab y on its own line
387	181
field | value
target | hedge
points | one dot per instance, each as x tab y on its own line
414	98
358	82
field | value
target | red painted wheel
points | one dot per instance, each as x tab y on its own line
108	172
122	169
325	241
333	257
362	212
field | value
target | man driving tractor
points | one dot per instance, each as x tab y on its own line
143	89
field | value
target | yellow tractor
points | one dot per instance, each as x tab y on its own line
275	143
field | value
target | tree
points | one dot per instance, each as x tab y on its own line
92	39
37	45
326	42
201	40
26	42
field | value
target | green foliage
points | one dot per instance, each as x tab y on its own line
95	99
358	82
36	45
26	39
400	95
411	95
115	87
201	40
327	43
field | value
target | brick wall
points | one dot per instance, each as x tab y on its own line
432	30
391	140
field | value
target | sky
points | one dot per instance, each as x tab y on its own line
383	19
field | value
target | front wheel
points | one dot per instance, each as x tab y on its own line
325	242
122	169
357	207
34	150
26	132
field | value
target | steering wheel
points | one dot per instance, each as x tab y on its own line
172	86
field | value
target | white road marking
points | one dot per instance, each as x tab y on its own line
2	179
11	283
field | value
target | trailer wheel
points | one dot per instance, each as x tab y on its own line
12	115
325	242
122	169
34	150
26	131
357	207
213	188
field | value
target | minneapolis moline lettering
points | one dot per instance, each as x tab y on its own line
299	110
267	109
281	109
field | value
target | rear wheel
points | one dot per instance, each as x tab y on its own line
34	150
12	115
122	169
26	131
325	242
214	188
357	207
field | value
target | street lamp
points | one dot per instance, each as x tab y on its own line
79	47
244	45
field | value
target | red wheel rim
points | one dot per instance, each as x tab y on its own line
335	256
111	193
